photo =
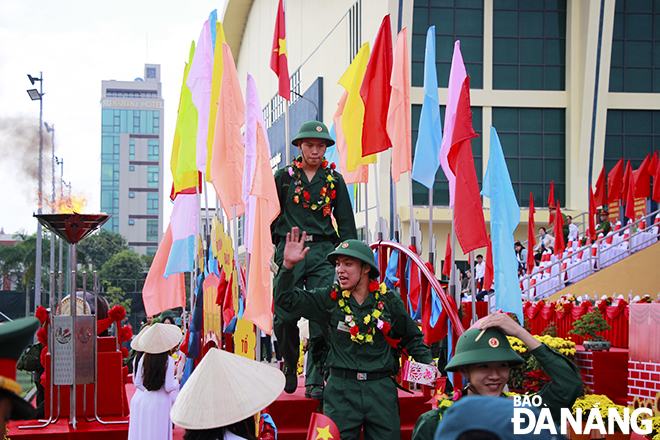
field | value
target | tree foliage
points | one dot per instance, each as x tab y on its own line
124	270
115	296
100	247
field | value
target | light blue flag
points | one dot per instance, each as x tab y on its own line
213	17
429	136
504	218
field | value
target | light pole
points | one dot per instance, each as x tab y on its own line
61	164
38	95
51	129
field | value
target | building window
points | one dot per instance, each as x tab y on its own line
151	251
131	222
110	175
112	225
131	248
131	168
109	201
454	20
152	203
240	230
631	134
131	149
152	177
534	145
109	147
152	149
131	195
635	64
529	45
441	185
152	230
151	72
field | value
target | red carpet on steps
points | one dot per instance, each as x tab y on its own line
291	413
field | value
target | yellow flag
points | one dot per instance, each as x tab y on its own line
352	119
182	165
216	81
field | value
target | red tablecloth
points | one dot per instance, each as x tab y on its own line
540	315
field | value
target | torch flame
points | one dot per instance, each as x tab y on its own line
68	204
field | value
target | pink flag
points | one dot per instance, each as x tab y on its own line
457	76
361	175
263	208
160	294
227	160
398	115
199	83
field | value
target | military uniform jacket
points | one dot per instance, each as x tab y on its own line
313	221
318	305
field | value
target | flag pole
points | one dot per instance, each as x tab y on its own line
207	233
287	149
431	250
412	238
197	268
452	273
394	213
380	233
366	210
473	288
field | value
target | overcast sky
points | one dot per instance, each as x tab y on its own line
77	44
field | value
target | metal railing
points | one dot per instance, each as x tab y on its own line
574	265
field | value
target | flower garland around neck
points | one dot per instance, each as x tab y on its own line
371	321
327	194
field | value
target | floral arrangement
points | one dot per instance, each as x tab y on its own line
600	401
327	193
565	299
655	429
646	299
608	301
589	324
530	376
371	321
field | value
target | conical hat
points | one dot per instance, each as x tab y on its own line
160	338
135	343
225	388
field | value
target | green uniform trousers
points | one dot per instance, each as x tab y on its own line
369	405
312	272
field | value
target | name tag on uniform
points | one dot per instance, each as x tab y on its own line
343	327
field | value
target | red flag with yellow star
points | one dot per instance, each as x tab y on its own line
278	59
322	428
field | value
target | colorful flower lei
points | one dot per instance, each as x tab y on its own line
371	320
327	194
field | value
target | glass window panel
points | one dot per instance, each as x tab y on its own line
555	24
506	4
616	80
555	78
505	50
638	80
656	26
639	53
638	6
513	166
420	194
531	51
656	121
525	189
638	122
531	23
417	76
106	172
470	4
531	145
619	19
505	77
531	119
554	120
420	19
469	22
617	53
505	119
421	2
531	78
531	170
656	5
554	170
444	47
554	145
638	146
505	23
510	143
472	49
440	194
656	53
639	26
555	51
442	70
152	230
107	117
131	222
476	118
442	18
476	75
533	4
613	146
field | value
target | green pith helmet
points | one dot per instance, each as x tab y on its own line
14	337
315	130
356	249
167	314
493	346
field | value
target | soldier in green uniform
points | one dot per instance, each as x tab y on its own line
363	319
485	360
604	226
311	192
14	337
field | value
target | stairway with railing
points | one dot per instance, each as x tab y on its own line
579	262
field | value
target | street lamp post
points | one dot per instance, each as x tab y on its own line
38	95
51	129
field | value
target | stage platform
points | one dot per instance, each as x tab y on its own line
291	413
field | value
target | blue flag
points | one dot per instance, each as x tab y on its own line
504	218
213	17
429	136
